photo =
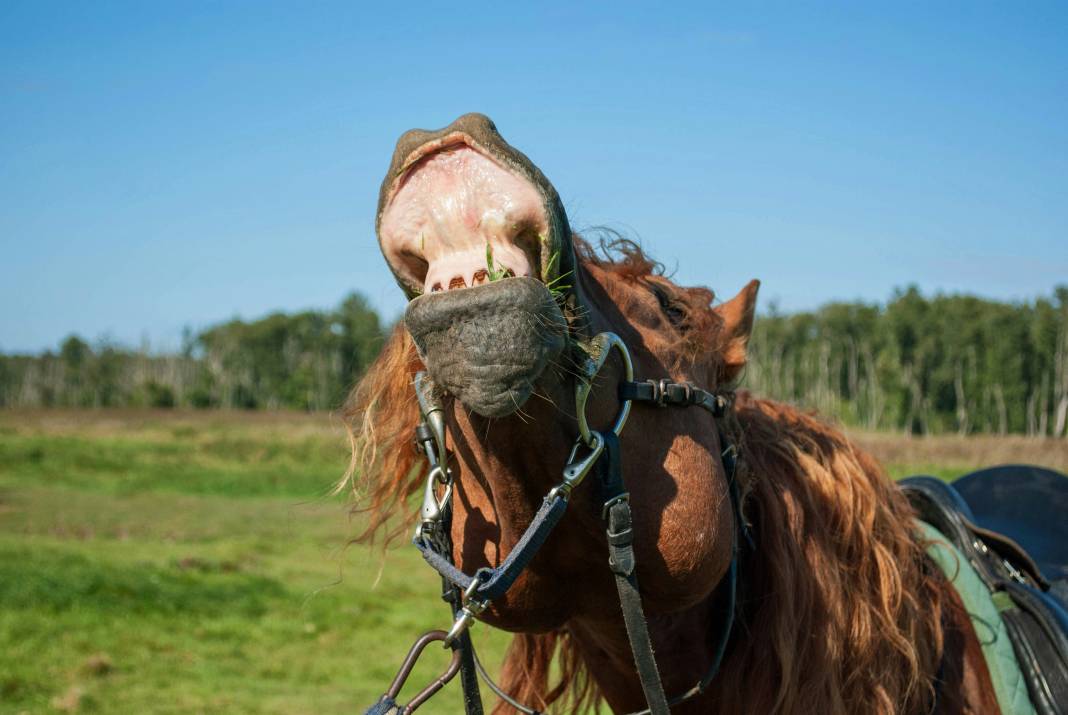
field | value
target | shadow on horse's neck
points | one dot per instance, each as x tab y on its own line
682	517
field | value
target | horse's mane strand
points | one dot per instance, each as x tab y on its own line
695	326
380	415
838	611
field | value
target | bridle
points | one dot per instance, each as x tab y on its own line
593	452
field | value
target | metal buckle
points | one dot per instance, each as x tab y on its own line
624	497
433	414
432	443
471	608
600	347
661	391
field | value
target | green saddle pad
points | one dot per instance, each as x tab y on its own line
1009	684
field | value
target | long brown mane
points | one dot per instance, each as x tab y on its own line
841	610
838	613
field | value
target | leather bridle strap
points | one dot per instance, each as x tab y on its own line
490	584
664	393
621	561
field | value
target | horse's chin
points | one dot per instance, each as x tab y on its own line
488	345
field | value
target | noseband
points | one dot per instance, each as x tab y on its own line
593	452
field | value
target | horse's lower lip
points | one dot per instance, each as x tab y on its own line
489	344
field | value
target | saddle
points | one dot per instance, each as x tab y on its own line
1011	525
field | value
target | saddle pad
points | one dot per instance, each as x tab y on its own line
1009	684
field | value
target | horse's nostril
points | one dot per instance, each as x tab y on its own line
457	282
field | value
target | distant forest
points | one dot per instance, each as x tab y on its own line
917	364
304	361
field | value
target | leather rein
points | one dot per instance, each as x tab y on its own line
594	452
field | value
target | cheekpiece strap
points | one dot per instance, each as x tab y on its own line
665	393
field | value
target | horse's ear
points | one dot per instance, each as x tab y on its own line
737	316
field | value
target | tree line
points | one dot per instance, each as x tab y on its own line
951	363
305	361
948	363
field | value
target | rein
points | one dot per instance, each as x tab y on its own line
597	452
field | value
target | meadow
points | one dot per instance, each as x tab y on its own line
182	562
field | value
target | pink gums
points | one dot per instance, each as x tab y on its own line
449	208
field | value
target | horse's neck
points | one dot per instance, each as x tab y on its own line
682	520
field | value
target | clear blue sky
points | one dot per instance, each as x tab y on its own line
165	164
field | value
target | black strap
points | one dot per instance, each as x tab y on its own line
468	673
452	596
621	561
495	582
677	394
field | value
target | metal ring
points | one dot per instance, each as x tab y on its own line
600	347
409	663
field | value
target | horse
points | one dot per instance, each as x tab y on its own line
835	607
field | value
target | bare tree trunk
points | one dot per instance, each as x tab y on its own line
1060	382
1062	417
1003	414
1043	413
962	402
1032	421
875	394
853	369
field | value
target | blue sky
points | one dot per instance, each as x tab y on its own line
171	164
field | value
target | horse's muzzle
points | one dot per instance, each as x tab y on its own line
488	345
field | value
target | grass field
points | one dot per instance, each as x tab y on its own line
170	562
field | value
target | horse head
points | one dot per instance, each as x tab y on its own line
478	240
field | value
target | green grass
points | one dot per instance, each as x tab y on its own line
494	272
193	564
155	562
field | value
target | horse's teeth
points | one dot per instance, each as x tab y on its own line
469	267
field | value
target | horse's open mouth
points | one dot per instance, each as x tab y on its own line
477	238
458	219
463	208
